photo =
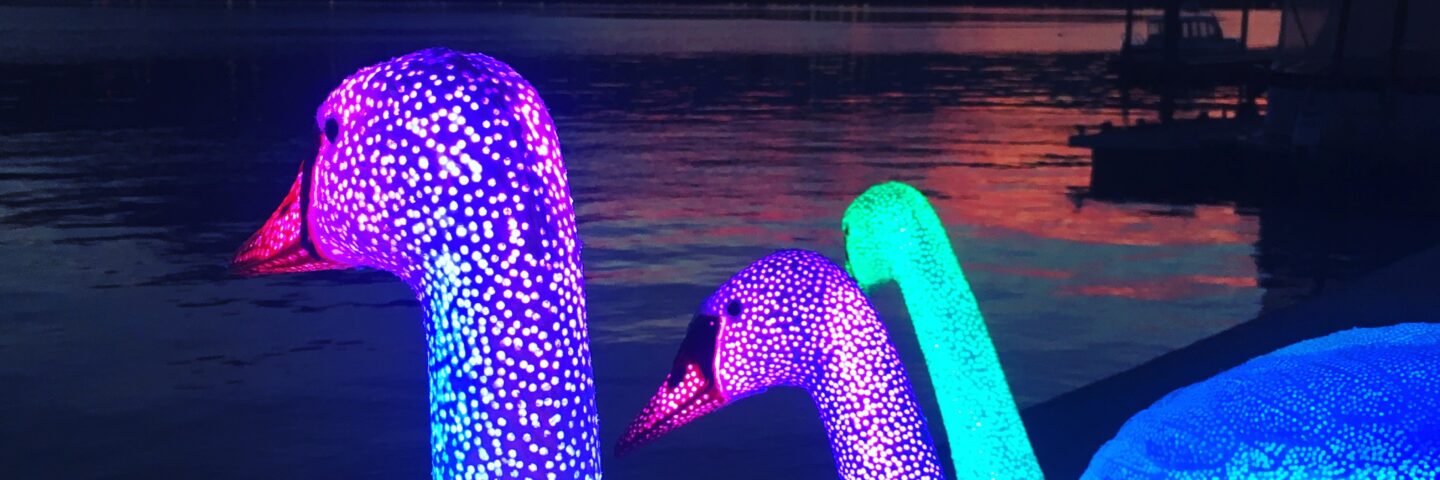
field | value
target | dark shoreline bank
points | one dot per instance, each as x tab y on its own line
1215	4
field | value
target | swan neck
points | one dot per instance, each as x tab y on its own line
929	281
982	422
511	385
869	411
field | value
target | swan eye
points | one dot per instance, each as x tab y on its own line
332	129
733	308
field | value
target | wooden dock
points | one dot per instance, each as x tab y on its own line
1187	160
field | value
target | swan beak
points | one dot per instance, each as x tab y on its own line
677	403
280	246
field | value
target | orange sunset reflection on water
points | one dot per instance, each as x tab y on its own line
764	152
712	191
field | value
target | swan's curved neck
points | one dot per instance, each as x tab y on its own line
986	435
511	387
875	426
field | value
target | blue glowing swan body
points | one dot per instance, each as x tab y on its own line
1357	404
444	169
795	319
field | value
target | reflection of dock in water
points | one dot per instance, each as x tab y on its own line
1068	429
1229	68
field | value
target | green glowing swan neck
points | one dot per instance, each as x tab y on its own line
892	233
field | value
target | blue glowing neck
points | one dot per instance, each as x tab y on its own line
511	387
982	422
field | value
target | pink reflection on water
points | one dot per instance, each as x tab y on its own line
1170	288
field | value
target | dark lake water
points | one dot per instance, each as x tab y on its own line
139	148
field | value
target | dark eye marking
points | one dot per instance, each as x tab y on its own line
733	308
697	348
332	129
307	183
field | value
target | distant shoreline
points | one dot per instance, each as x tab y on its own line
1149	4
1214	4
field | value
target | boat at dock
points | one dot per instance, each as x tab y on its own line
1187	44
1190	161
1347	101
1200	33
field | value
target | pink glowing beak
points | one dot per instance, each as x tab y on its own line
283	244
677	403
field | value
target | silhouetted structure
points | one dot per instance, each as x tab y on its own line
1354	79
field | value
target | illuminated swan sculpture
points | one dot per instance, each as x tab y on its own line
892	233
1362	403
1356	404
444	169
795	319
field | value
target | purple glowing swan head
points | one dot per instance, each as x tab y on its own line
410	151
795	319
444	169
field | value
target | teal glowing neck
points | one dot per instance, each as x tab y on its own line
894	234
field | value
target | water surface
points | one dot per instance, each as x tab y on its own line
139	147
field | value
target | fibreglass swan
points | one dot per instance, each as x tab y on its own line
1355	404
892	233
444	169
795	319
